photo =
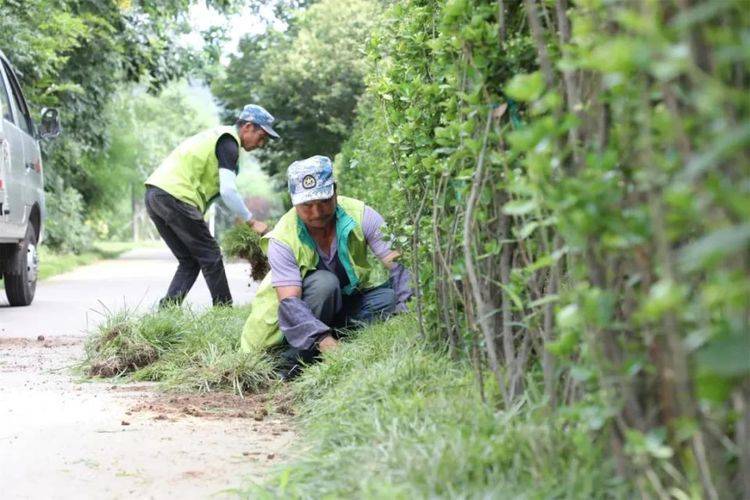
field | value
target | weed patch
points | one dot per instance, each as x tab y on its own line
179	347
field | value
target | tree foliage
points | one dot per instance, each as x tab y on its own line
75	55
309	77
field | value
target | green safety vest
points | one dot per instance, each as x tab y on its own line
364	271
191	172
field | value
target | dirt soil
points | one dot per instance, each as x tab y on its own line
64	436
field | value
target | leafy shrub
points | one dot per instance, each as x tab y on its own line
573	180
65	228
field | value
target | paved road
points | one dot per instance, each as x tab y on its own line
62	436
69	304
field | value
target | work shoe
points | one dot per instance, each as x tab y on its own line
287	374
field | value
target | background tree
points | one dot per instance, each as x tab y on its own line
74	55
309	77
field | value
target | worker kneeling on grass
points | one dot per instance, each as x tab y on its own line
325	276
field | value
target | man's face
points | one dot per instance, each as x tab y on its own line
317	214
252	137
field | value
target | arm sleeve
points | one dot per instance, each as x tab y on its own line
230	196
228	153
298	324
372	223
400	282
284	268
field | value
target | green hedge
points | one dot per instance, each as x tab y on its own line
571	185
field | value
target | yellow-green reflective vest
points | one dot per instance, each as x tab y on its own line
191	172
364	271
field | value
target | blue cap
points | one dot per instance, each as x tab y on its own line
259	116
310	179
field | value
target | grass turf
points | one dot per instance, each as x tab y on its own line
241	241
183	349
386	417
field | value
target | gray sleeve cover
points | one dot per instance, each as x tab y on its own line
230	196
400	281
300	328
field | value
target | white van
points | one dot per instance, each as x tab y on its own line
21	187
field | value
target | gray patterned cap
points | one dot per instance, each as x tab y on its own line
259	116
310	179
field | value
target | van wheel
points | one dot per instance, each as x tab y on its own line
21	270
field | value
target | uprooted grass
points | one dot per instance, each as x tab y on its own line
385	417
241	241
182	348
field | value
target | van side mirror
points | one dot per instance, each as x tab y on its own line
49	128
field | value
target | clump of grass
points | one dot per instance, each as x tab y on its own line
241	241
124	343
179	347
386	417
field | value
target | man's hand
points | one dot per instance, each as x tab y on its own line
328	343
259	227
389	261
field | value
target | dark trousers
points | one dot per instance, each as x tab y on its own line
321	291
182	227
